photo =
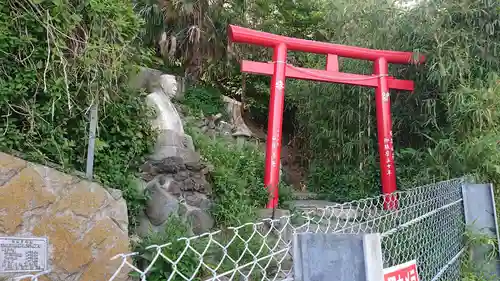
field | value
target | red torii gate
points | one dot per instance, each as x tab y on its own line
280	70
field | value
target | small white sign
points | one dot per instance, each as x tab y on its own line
20	254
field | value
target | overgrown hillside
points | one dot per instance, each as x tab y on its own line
60	58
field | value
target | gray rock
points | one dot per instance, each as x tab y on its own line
197	199
174	188
190	156
162	152
147	168
194	166
170	165
188	142
181	175
194	184
225	128
169	184
165	151
115	193
118	213
145	227
160	204
199	220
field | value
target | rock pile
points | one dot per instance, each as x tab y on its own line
177	186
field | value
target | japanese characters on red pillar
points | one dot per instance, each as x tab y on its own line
276	139
389	154
402	272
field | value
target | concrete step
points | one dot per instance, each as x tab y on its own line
298	195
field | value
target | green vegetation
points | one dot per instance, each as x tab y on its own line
471	270
203	101
237	251
60	57
174	229
238	170
446	128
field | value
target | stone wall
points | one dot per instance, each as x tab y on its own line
85	224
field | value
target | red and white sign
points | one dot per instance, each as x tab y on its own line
402	272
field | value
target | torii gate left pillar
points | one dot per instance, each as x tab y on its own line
280	70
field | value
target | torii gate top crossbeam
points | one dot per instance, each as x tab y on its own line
243	35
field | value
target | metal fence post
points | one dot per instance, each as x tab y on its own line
89	171
326	257
481	218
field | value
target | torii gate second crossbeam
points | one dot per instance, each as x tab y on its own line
280	70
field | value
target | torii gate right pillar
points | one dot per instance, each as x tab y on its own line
384	133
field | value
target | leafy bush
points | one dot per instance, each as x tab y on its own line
220	252
175	228
203	101
237	178
238	173
59	58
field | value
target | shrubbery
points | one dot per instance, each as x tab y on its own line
60	57
238	173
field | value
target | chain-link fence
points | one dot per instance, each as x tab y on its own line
427	226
